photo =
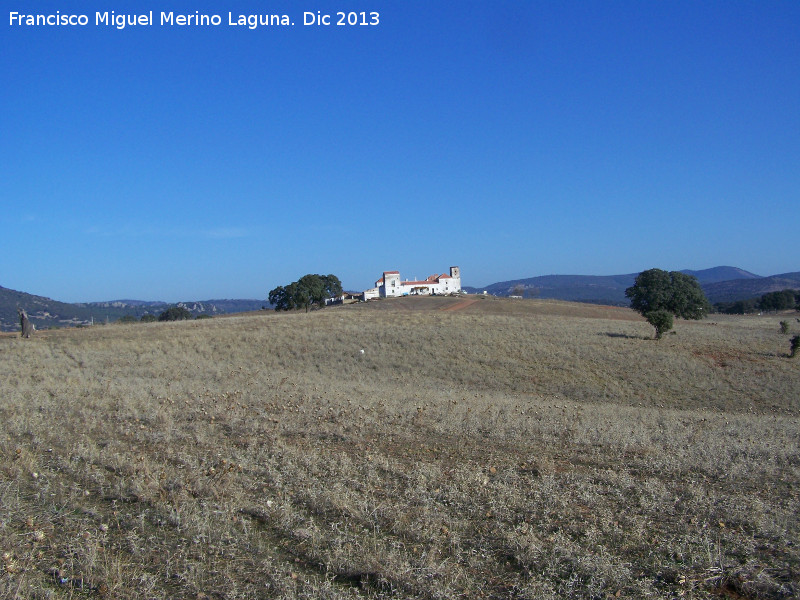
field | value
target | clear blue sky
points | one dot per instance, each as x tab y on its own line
511	138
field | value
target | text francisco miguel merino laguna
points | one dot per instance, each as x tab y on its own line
196	19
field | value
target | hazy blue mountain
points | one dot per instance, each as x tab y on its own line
46	312
793	275
717	274
744	289
721	284
606	289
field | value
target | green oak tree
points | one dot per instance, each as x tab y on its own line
306	292
675	293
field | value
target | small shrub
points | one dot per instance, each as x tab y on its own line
198	317
127	319
148	318
784	327
795	344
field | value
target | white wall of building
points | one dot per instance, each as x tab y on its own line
391	285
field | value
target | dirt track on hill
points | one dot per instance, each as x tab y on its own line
460	305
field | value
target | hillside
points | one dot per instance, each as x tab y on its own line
411	448
721	284
581	288
717	274
46	312
730	291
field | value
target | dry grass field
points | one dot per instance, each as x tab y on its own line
502	449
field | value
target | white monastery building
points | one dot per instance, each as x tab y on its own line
390	285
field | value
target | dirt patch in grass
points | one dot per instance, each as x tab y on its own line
723	359
461	305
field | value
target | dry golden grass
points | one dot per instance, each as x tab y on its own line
509	449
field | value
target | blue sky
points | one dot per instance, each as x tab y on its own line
511	138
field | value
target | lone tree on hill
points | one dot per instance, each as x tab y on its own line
305	292
658	296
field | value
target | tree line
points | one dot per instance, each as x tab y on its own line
770	302
173	313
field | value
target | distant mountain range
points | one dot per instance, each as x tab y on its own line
45	312
720	284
